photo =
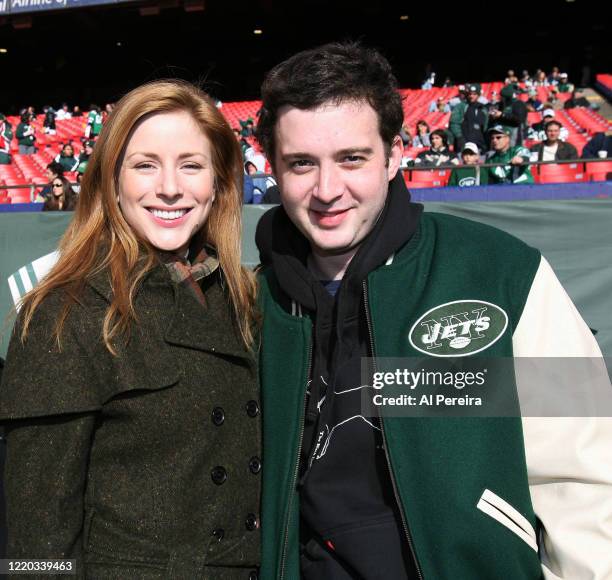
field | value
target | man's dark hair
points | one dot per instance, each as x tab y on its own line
335	73
553	122
56	167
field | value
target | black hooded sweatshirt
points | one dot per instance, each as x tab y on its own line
350	522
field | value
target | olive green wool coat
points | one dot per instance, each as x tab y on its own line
143	465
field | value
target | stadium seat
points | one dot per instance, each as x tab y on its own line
599	171
562	173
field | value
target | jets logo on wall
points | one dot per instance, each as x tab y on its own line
458	328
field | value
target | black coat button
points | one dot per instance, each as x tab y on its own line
218	534
218	416
218	474
255	465
252	409
253	575
251	523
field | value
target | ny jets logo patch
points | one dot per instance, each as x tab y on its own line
458	328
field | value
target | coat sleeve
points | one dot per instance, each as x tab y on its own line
569	459
49	402
45	476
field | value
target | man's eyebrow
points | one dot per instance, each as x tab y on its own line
340	153
354	150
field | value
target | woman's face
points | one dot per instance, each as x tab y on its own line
57	187
422	129
68	151
436	141
166	180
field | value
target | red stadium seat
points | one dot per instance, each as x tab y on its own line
562	173
599	171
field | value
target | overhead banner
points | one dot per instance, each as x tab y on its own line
25	6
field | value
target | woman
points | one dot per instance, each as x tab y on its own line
130	391
439	153
67	159
62	196
421	138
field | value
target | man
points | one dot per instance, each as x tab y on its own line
469	174
6	136
598	142
469	119
26	135
513	114
515	157
537	132
439	106
552	148
576	100
349	267
564	85
94	122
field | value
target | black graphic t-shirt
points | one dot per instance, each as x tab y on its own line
351	524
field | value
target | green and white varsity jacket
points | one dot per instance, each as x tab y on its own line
481	498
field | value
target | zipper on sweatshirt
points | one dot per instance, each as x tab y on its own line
297	466
384	438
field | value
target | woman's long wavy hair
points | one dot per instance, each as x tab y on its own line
98	221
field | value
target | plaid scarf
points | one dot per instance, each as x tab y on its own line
187	271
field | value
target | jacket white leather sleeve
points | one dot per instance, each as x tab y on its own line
569	459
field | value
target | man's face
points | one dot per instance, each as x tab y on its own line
333	172
552	133
500	142
472	96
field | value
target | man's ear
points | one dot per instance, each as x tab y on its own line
395	157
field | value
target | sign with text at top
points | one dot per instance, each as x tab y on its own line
27	6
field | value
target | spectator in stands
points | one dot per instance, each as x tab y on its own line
247	128
526	78
6	136
108	109
469	173
244	144
554	77
553	148
94	122
255	166
53	171
564	86
533	103
76	112
540	79
63	113
510	77
421	136
447	82
67	159
84	156
515	158
439	153
439	105
405	136
576	100
62	196
513	114
600	146
49	127
429	82
469	120
26	135
537	131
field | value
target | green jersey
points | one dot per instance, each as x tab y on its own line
510	173
94	123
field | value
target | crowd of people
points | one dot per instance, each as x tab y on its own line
480	131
